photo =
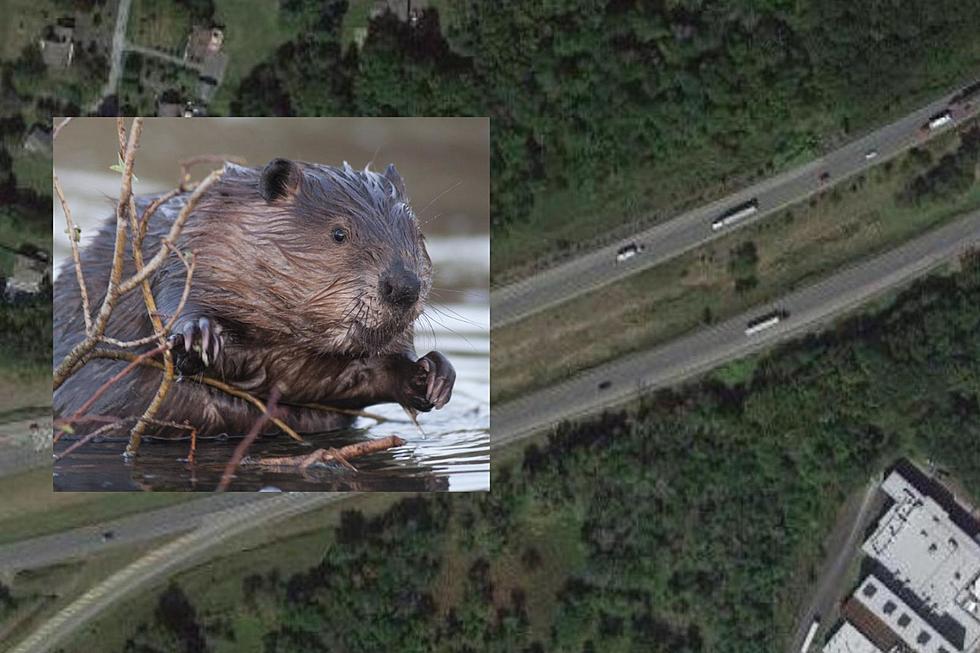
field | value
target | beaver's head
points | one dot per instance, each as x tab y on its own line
332	257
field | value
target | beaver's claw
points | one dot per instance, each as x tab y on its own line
196	344
439	379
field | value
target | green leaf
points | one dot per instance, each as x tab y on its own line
120	167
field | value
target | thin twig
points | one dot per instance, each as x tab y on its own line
113	291
187	164
128	344
204	380
151	309
73	233
57	128
339	455
81	350
105	386
152	208
175	230
88	438
121	129
243	446
344	411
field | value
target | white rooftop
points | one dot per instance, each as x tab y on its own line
849	639
902	619
922	548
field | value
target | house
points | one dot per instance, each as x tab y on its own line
28	275
204	51
202	43
407	11
38	140
57	46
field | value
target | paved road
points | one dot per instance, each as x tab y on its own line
712	346
157	54
839	558
166	559
141	527
667	240
669	364
118	43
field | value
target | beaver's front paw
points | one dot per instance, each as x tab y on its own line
197	343
439	378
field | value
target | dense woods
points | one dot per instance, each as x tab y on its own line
679	527
629	106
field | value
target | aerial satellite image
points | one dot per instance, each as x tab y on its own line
661	333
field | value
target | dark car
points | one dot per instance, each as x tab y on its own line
605	384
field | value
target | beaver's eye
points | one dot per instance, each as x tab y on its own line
339	235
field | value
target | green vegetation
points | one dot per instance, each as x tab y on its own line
855	219
628	111
31	508
253	31
145	80
679	526
166	25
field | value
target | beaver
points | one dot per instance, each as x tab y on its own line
308	279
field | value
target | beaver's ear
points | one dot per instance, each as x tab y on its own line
281	177
396	179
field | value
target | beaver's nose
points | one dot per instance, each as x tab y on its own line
400	287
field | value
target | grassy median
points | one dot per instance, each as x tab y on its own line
852	220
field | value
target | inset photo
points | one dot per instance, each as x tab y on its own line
271	304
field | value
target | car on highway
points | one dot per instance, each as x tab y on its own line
765	321
870	154
627	252
108	535
603	385
824	178
736	213
941	119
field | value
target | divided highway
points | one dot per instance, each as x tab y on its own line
709	347
688	230
220	517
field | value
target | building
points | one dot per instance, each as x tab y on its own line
407	11
28	275
38	140
923	593
849	639
57	46
203	43
902	619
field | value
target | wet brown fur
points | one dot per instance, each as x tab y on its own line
298	310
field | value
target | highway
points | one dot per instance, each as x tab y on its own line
141	527
166	559
709	347
670	239
209	521
217	518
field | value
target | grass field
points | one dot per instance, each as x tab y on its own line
41	593
253	31
581	217
215	586
30	507
33	171
848	222
160	25
23	25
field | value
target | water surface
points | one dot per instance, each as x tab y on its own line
449	450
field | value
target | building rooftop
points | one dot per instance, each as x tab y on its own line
849	639
914	631
922	548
